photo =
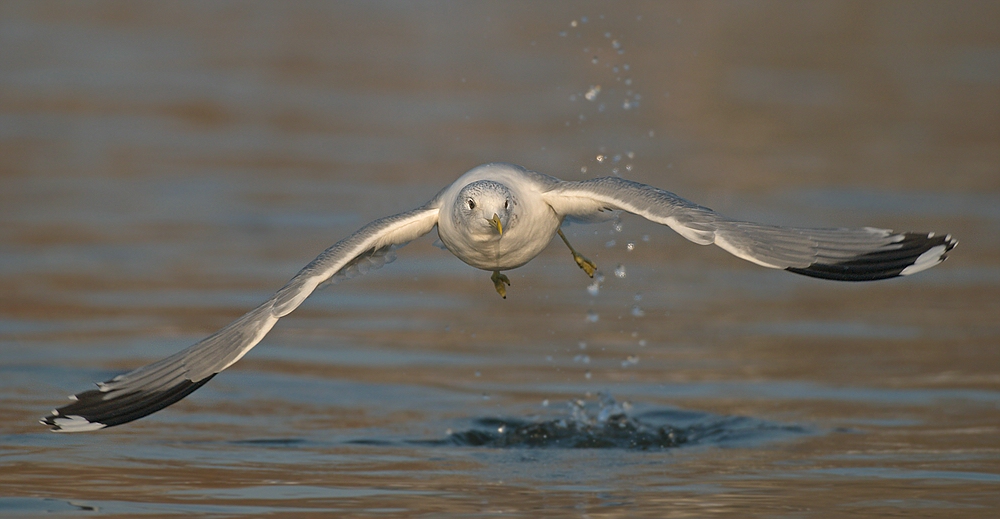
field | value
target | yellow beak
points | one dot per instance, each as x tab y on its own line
496	223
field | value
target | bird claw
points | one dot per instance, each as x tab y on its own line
498	283
588	266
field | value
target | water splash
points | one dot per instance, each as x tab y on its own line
607	425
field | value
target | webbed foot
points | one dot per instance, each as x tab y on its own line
588	266
498	283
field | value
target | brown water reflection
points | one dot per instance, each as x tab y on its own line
165	166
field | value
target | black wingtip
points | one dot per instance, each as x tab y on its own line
96	409
915	252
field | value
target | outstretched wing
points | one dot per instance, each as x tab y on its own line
155	386
863	254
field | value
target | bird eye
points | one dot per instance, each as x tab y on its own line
472	204
506	204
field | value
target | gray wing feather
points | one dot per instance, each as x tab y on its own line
842	254
150	388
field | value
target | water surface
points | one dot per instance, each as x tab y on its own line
165	167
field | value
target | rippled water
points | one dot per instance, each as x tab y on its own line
165	166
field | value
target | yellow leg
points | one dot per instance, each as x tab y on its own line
588	266
498	281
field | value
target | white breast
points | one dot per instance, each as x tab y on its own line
533	225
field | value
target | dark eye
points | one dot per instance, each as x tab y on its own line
506	204
472	204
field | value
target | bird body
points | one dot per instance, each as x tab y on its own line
516	196
498	217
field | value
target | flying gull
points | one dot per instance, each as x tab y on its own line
497	217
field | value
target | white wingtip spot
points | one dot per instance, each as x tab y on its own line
75	423
926	260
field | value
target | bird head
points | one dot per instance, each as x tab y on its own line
486	207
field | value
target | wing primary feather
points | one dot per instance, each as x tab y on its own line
155	386
864	254
923	250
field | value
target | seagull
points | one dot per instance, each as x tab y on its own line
498	217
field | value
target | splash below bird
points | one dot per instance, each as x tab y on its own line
497	217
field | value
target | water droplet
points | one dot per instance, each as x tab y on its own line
582	345
600	158
609	243
630	246
548	358
583	19
587	375
573	23
592	316
616	44
620	271
631	360
485	396
478	374
562	33
607	35
545	403
628	82
626	105
501	429
594	60
585	359
645	238
592	93
642	343
637	312
637	296
594	288
583	169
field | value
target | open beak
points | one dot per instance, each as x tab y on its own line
496	223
